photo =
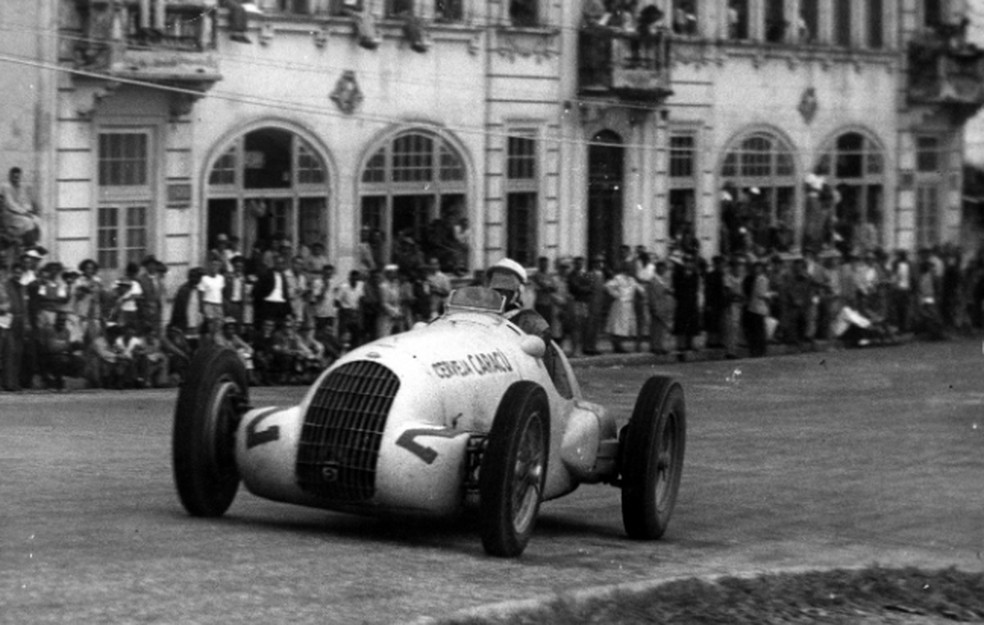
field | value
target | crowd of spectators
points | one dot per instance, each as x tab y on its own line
288	315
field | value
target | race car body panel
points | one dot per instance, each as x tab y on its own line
445	381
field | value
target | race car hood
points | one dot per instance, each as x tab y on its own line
452	372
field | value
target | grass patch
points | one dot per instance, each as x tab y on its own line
836	596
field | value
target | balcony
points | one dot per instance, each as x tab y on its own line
946	72
624	65
174	44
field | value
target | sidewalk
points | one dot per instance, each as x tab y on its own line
607	358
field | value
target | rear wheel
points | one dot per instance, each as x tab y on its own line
514	470
651	454
211	402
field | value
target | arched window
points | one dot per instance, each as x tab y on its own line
412	197
268	187
854	166
759	196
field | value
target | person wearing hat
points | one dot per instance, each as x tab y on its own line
31	260
509	279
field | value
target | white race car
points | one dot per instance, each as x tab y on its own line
467	411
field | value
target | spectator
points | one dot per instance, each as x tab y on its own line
315	264
271	296
389	314
734	303
439	287
797	300
16	321
715	302
103	366
686	290
238	19
579	288
175	346
563	305
229	338
662	307
321	298
297	287
755	288
128	295
349	304
130	357
901	291
21	212
544	287
599	303
151	303
186	312
235	294
155	362
88	294
622	323
212	287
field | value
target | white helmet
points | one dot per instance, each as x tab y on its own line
511	266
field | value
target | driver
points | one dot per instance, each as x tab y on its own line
508	278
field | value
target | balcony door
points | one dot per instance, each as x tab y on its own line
606	173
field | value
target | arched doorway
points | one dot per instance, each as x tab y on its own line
854	165
606	173
413	194
268	187
758	205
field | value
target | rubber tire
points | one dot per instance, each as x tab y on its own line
211	401
652	448
523	410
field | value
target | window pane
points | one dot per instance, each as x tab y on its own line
928	154
376	168
521	158
413	158
451	166
107	244
775	21
309	167
224	170
122	159
682	156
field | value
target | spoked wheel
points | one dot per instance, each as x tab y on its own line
514	470
211	402
651	453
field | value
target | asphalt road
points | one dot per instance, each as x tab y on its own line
819	460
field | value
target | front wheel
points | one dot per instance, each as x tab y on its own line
514	470
651	455
211	402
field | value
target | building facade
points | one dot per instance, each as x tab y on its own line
555	128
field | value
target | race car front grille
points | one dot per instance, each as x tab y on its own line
342	430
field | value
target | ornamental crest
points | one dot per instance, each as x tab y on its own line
808	104
347	94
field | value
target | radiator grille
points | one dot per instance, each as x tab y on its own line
342	430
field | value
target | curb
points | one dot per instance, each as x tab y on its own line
507	611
